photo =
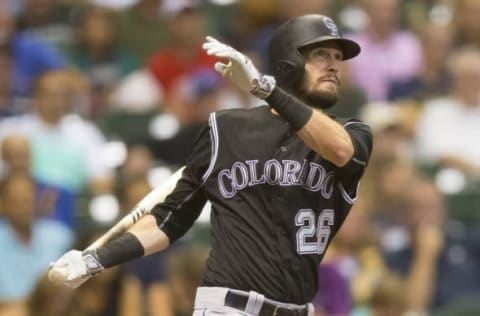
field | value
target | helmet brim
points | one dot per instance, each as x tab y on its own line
348	47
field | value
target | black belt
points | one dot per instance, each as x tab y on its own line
239	301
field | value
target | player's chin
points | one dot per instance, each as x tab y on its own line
321	99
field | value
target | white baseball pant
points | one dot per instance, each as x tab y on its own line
210	301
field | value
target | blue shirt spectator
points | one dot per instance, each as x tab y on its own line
31	57
22	264
27	244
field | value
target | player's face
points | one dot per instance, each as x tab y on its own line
321	80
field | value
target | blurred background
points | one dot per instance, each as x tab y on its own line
100	100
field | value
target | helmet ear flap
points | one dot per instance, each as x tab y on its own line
284	68
289	72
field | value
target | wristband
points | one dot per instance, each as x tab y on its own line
120	250
290	108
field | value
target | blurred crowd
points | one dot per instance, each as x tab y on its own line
100	100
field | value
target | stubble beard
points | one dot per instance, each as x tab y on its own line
319	99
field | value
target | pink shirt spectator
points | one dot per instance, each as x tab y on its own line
397	58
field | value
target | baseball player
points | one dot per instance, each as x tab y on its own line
281	179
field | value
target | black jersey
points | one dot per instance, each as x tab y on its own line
276	204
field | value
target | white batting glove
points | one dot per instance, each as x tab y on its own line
239	69
74	268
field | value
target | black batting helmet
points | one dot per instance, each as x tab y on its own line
286	61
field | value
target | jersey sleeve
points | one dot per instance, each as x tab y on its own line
350	174
183	206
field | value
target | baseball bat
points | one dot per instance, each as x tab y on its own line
143	207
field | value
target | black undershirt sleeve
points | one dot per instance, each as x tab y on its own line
183	206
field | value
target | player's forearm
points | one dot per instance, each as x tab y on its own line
328	138
324	135
149	235
143	238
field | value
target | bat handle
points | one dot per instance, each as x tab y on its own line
131	218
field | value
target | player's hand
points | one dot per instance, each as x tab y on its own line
239	69
74	268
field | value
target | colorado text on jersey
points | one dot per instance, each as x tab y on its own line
310	175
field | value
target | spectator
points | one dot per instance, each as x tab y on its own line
186	267
391	169
48	299
142	29
467	24
13	7
408	210
6	90
96	56
448	126
49	21
253	25
427	216
260	18
192	97
290	9
184	53
408	215
190	91
65	148
333	294
133	106
352	98
351	267
29	58
137	93
388	296
396	53
51	201
438	264
195	95
15	154
28	244
394	177
78	89
383	282
434	79
136	167
113	4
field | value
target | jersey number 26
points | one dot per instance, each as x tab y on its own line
310	227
